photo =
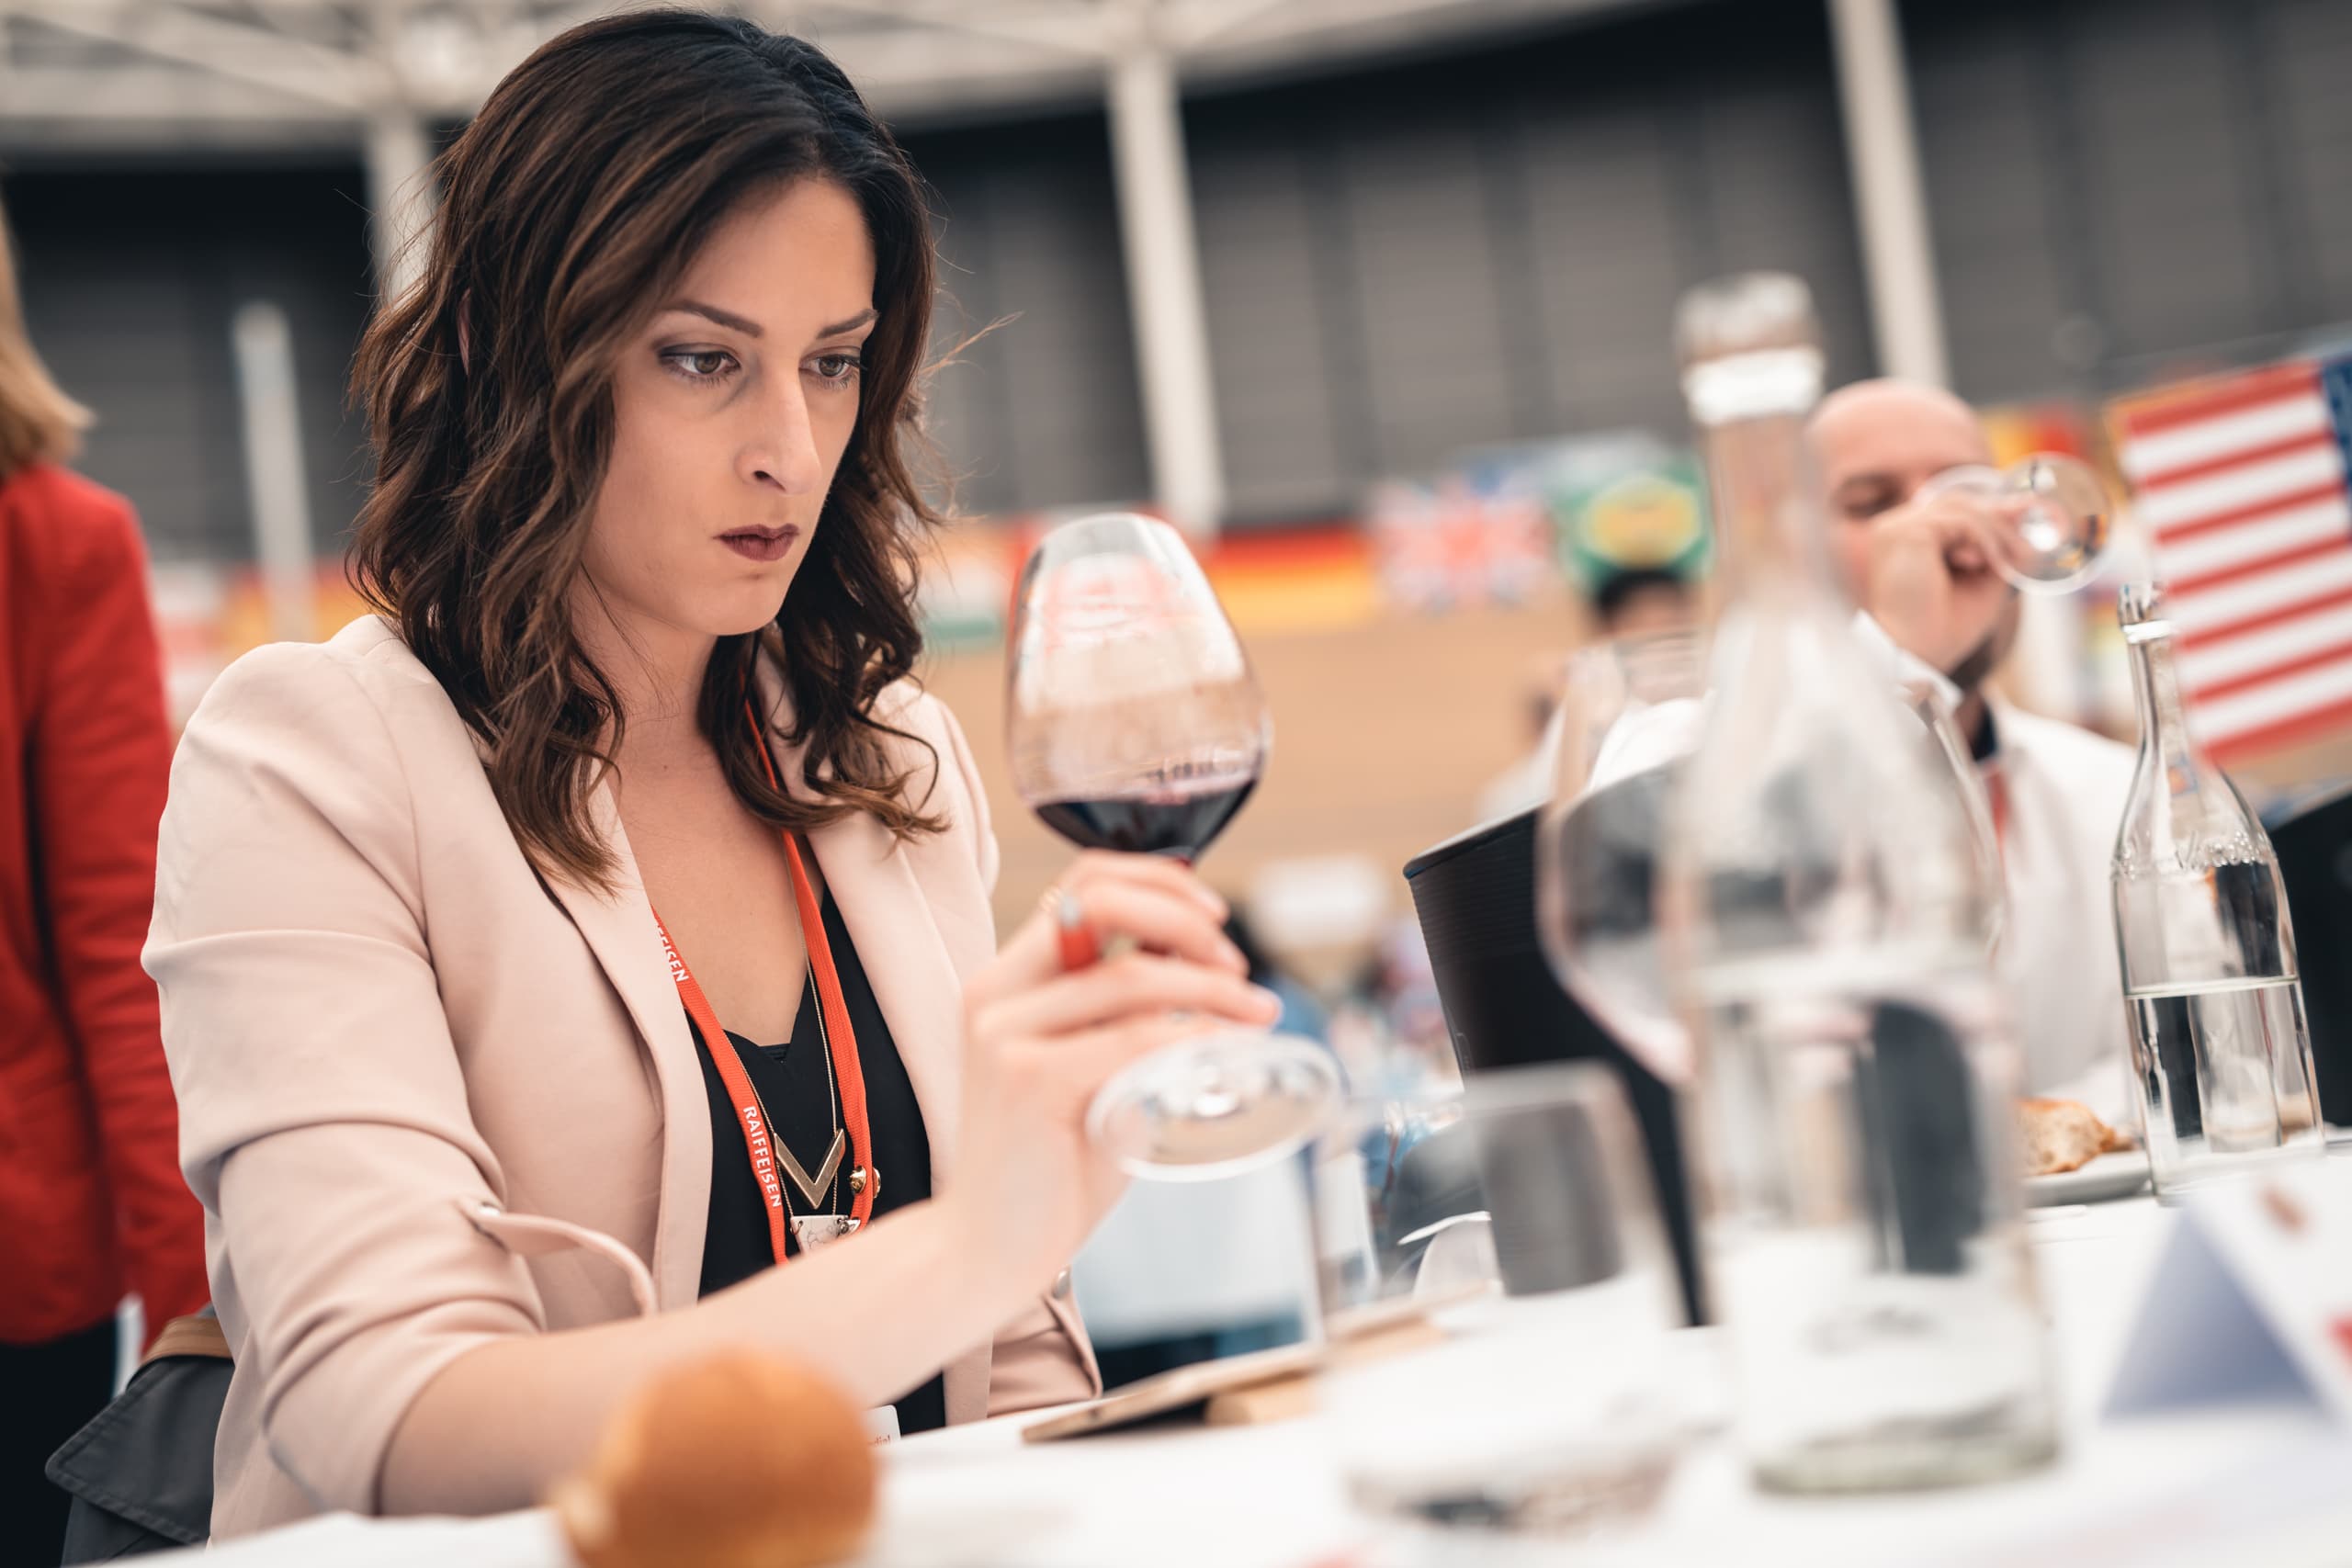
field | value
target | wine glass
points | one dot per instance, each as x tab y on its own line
1629	716
1135	723
1505	1376
2056	515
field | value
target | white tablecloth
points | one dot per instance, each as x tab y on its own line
2237	1485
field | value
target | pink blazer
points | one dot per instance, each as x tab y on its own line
428	1099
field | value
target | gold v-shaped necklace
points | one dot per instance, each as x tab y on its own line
814	1188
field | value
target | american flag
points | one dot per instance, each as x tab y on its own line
2241	486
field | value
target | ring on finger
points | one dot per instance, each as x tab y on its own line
1074	939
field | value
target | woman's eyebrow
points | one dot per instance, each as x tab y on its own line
726	319
750	328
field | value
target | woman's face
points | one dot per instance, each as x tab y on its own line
731	411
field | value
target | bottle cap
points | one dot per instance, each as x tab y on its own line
2139	611
1750	346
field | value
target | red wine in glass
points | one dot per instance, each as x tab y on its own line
1135	724
1180	821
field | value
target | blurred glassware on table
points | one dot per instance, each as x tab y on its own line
1135	723
1389	1174
2052	514
2220	1050
1825	905
1629	715
1498	1323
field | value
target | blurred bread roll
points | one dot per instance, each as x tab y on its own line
2061	1136
742	1460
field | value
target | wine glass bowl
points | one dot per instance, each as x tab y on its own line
1135	723
2053	513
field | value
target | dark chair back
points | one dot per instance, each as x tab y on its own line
2315	849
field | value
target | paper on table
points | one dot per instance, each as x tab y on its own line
2252	1299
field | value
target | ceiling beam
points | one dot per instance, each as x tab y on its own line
257	55
144	94
922	60
1065	29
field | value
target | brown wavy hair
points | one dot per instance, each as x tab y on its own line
570	208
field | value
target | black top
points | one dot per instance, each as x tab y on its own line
794	1084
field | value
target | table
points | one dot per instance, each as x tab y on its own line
2258	1483
2146	1492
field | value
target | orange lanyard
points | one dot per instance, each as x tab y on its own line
757	1135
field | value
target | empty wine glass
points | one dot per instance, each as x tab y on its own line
1135	723
1629	716
2055	515
1498	1299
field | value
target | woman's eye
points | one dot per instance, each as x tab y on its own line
699	364
838	368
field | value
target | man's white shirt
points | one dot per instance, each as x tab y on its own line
2057	956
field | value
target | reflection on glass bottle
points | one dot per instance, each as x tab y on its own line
2220	1049
1826	907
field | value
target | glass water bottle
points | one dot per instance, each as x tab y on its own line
1825	911
2221	1053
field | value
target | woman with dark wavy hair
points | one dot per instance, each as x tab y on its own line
587	963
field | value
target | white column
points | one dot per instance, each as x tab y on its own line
1890	199
400	197
264	349
1164	287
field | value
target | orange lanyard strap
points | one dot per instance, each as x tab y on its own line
758	1137
846	1070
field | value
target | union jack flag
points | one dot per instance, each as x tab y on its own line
1456	547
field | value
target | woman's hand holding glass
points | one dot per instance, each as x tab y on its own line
1041	1040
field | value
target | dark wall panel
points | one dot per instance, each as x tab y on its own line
2123	189
130	280
1044	409
1488	247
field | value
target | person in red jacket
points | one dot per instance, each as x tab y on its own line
92	1203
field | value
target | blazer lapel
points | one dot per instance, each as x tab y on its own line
897	944
619	929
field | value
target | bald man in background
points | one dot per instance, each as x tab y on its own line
1920	568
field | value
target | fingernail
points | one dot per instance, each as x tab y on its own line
1267	1001
1234	959
1210	900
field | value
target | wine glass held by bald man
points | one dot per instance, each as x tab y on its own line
586	962
1923	561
